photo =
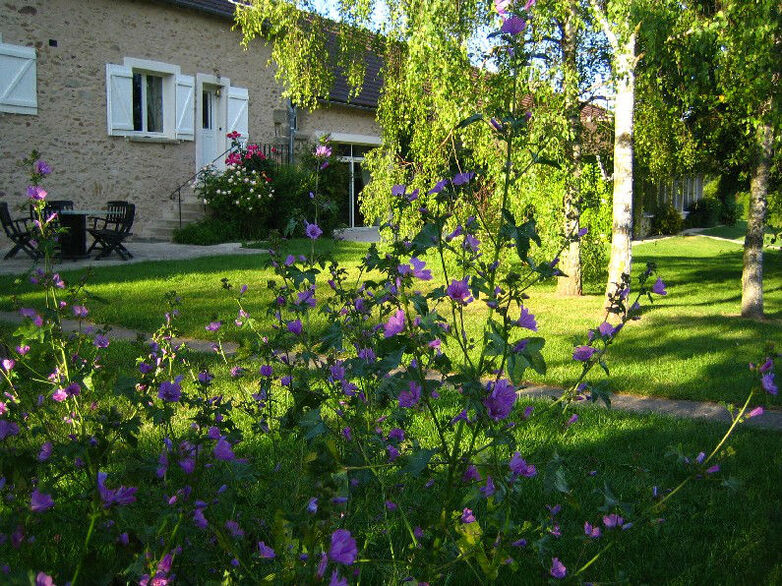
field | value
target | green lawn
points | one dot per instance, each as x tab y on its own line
692	344
737	232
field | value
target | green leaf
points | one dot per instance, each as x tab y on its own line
554	477
470	120
418	461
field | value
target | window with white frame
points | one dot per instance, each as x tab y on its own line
18	83
149	99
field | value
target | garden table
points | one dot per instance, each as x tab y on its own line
74	242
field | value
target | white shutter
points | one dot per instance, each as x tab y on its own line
237	119
185	107
18	91
119	99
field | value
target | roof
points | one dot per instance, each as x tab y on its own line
367	98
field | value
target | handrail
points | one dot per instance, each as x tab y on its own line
178	190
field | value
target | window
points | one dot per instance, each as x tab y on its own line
147	103
149	100
18	90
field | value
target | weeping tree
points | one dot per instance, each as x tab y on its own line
432	82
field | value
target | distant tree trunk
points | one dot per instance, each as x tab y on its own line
621	244
571	283
752	275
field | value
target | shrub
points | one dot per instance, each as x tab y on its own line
207	232
704	213
667	220
729	212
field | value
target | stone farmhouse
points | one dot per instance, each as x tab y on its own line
127	99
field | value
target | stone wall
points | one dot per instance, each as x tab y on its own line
91	167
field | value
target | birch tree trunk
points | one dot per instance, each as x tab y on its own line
571	283
621	245
752	274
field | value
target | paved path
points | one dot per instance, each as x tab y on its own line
622	402
142	251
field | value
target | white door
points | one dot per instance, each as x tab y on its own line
209	134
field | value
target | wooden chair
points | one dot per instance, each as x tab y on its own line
110	231
20	233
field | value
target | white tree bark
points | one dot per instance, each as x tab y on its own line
752	274
621	245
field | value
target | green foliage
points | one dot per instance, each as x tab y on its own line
206	232
667	220
704	213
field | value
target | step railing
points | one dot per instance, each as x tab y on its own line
275	153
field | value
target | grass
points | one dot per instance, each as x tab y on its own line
691	345
738	231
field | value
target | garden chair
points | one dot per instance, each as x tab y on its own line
20	233
110	231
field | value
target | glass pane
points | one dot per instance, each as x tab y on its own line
361	150
154	103
206	111
137	107
343	150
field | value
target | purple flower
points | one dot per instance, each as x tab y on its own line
124	495
40	502
459	291
583	353
395	324
471	474
80	311
467	516
500	402
606	329
8	364
213	326
367	354
313	231
558	569
234	529
45	452
571	421
59	395
766	366
36	192
393	453
265	551
439	186
323	151
410	397
527	320
755	412
591	531
613	520
767	382
44	580
513	25
41	167
295	326
266	370
205	377
337	580
101	341
519	467
471	243
501	6
223	451
7	429
659	287
489	489
312	505
398	190
396	434
343	547
462	178
306	297
582	232
170	391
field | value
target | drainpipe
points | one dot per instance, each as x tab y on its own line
291	130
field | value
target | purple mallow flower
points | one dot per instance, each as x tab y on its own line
343	547
462	178
42	167
294	326
519	467
591	530
101	341
768	384
459	291
417	269
265	551
313	231
223	451
527	320
395	324
171	391
40	502
213	326
558	569
500	402
411	396
35	192
124	495
659	287
513	25
467	516
583	353
613	521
